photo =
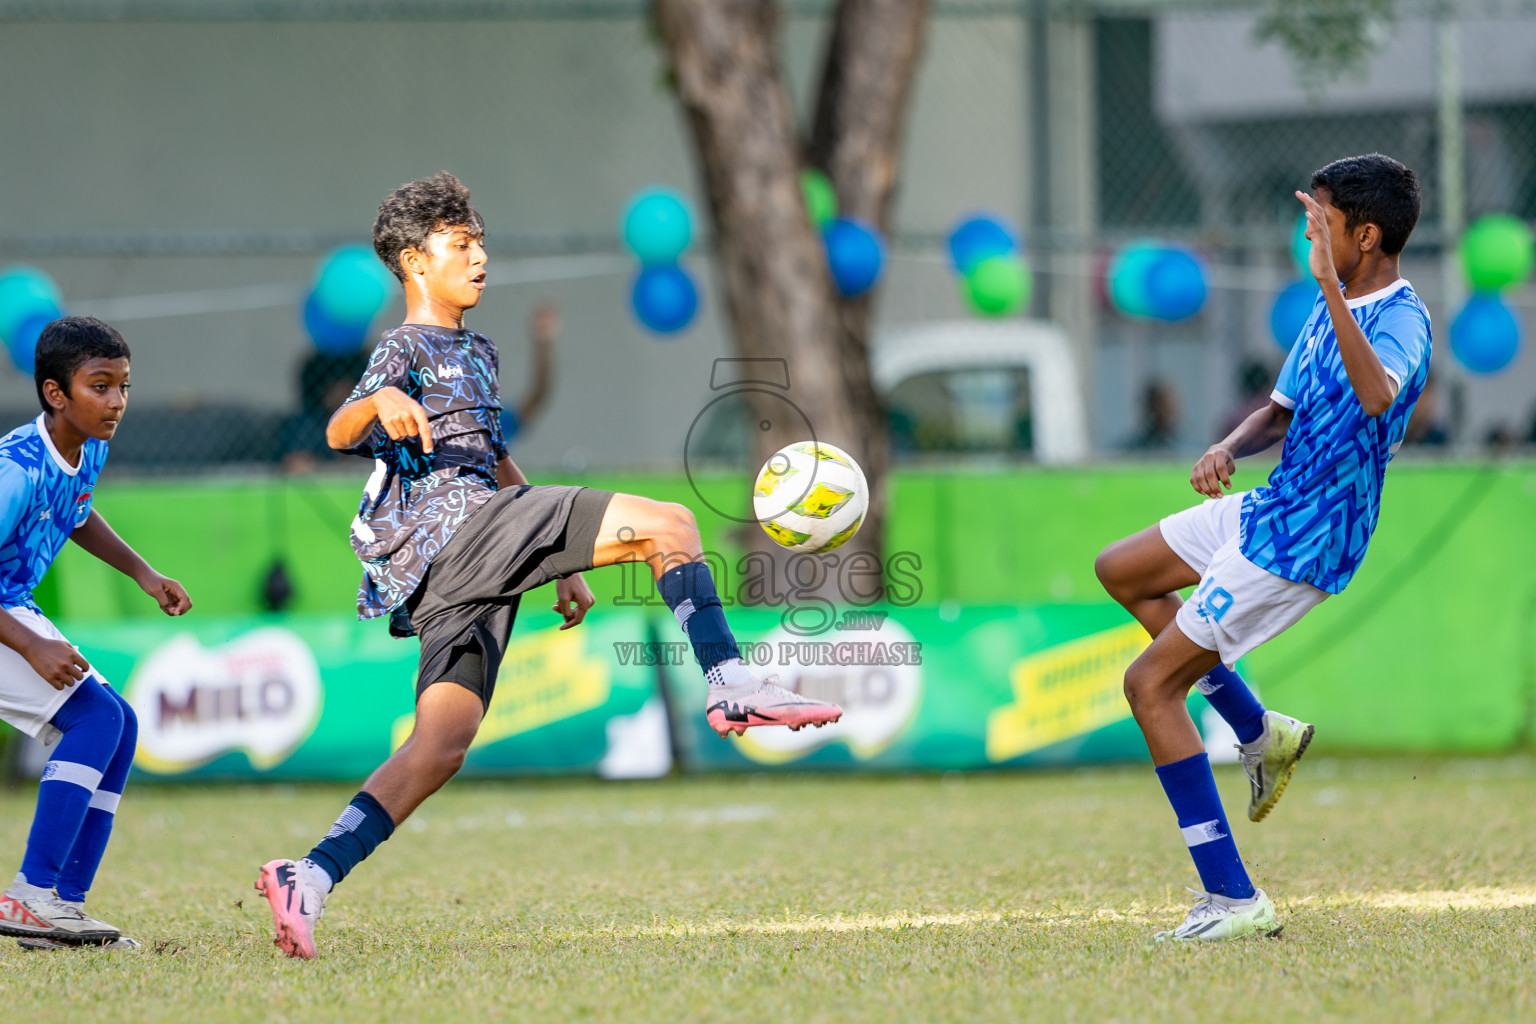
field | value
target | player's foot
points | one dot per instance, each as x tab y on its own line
764	702
1217	918
38	945
1271	759
48	917
296	907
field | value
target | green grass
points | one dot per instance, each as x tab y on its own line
1408	891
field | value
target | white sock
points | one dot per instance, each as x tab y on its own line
316	876
21	889
730	672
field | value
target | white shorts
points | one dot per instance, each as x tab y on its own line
1237	605
27	700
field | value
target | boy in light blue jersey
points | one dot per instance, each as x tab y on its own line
1260	560
48	471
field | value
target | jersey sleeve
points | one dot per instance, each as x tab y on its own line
1400	337
1287	387
389	366
15	495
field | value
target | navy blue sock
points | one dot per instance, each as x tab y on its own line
360	829
1234	702
92	722
689	591
91	843
1191	788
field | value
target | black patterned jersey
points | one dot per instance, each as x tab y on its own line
415	500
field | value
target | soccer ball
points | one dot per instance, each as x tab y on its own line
810	496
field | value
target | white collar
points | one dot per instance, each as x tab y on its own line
59	460
1378	295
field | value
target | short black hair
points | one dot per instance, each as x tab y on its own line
1373	189
68	344
415	210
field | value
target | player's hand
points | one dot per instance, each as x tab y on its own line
402	416
57	662
170	595
544	323
1320	257
1213	472
572	599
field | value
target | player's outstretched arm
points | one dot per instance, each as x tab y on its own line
98	537
1367	376
1255	434
399	414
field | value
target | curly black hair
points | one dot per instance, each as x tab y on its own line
417	209
68	344
1373	189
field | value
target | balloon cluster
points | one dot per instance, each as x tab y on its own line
351	288
855	252
1497	252
994	279
657	229
29	301
1152	281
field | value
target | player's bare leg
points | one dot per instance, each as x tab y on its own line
447	718
665	536
1143	574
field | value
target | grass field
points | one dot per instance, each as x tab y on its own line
1408	891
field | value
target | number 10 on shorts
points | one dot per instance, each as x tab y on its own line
1211	601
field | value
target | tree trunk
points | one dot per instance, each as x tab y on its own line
778	291
867	71
776	286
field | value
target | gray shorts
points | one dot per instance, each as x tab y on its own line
522	538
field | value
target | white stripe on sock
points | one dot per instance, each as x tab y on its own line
1206	687
102	800
684	612
348	822
82	775
1205	832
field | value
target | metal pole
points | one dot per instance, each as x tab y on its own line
1453	196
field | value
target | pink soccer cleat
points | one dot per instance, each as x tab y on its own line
296	907
764	702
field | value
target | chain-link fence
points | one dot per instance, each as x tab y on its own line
194	217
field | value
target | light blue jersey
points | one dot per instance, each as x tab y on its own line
1313	521
43	499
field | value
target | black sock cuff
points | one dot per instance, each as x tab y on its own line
365	802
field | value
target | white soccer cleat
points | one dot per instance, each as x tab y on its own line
764	702
296	907
1217	918
40	945
1270	760
48	917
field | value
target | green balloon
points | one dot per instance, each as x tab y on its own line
1127	277
1496	252
820	197
1301	246
998	286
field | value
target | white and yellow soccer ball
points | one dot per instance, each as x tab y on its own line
810	496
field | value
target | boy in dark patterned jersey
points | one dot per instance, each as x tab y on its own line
450	534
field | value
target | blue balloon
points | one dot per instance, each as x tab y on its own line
352	285
25	292
978	238
332	336
657	227
1175	285
855	255
1127	276
1485	336
1292	308
664	298
22	342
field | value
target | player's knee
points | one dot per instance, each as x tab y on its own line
1109	569
1139	686
130	733
679	531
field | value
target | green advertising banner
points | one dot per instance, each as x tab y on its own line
312	697
935	689
316	697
